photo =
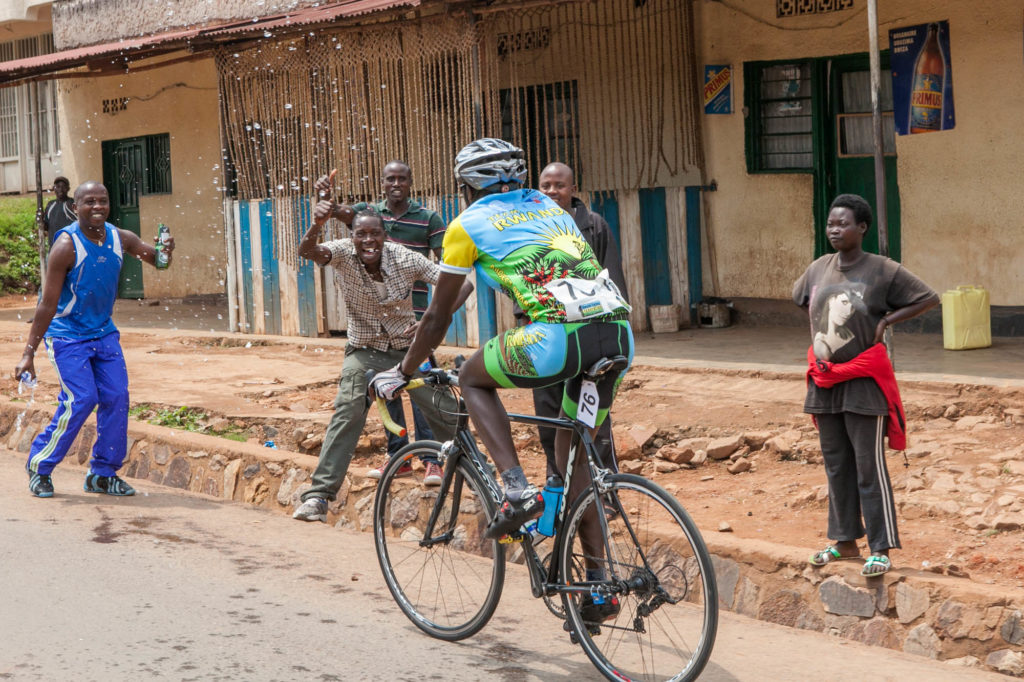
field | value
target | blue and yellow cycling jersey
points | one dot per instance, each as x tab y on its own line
523	243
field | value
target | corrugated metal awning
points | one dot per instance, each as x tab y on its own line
121	50
308	16
119	53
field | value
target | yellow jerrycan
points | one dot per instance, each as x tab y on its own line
966	320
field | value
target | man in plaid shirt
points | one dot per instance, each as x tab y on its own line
409	224
377	279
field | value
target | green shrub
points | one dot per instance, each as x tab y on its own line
19	256
187	418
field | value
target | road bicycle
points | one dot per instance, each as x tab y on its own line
657	605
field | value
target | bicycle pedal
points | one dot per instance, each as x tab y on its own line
592	628
511	539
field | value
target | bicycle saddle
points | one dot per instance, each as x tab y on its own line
607	364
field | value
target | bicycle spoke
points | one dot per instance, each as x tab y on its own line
448	588
667	609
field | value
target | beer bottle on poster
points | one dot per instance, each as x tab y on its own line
929	84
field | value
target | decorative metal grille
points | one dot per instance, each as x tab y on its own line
157	176
793	8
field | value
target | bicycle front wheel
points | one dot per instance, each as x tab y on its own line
448	583
667	616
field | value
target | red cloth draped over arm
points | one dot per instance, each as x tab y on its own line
874	364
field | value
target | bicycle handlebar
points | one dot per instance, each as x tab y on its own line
385	417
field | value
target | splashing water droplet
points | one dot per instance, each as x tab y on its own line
26	383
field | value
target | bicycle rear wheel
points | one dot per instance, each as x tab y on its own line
448	585
668	615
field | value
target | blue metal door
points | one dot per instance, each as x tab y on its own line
654	237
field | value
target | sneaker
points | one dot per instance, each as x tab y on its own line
433	474
313	509
513	514
40	485
404	470
108	485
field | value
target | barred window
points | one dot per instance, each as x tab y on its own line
8	122
16	102
780	118
8	110
544	119
793	8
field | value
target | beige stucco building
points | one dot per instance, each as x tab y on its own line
179	101
960	196
25	32
725	204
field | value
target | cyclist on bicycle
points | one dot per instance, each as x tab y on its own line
521	242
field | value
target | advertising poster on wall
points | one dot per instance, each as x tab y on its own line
922	78
717	89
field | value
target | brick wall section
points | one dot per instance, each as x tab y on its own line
921	613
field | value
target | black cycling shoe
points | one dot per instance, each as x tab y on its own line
592	612
592	628
593	615
513	514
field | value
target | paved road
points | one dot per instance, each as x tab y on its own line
176	586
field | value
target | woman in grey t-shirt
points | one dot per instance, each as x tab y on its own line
851	297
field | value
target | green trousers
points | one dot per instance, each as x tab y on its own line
349	417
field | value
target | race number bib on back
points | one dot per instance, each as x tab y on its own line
585	298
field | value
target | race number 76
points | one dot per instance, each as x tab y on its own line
586	411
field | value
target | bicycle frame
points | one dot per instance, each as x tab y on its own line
464	445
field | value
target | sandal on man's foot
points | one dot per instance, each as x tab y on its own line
877	564
827	556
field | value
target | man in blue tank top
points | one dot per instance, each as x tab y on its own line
73	319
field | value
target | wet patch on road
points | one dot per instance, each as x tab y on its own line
501	652
104	533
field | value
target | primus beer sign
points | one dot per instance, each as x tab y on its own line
717	89
922	79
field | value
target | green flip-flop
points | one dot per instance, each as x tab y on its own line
825	556
877	564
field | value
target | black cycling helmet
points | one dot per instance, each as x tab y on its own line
489	161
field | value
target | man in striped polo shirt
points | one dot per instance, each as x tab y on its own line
407	222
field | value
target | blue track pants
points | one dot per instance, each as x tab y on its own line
92	373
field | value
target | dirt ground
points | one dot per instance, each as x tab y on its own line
958	470
960	499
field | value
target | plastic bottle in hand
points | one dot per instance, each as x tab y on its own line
27	382
163	259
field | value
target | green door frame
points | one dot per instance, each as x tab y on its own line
827	178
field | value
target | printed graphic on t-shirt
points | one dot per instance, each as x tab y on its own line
837	310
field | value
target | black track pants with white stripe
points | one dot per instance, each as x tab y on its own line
858	479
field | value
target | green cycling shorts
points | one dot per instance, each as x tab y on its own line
543	354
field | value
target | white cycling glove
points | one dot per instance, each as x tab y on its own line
388	383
